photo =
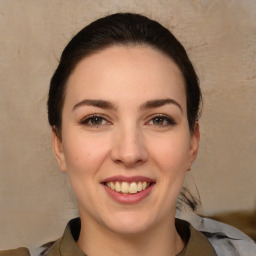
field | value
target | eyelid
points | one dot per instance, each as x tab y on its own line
87	118
169	119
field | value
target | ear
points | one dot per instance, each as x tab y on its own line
58	150
194	144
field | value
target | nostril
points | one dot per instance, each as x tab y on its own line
129	162
129	148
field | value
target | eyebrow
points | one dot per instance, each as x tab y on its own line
159	103
95	103
108	105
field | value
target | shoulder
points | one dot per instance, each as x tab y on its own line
54	250
66	245
15	252
196	242
226	240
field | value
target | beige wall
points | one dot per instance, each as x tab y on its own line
220	37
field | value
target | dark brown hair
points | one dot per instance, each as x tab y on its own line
124	29
121	29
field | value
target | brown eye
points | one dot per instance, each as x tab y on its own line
161	121
94	121
158	121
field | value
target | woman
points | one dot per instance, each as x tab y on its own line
124	105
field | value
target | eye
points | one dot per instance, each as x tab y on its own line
94	120
161	120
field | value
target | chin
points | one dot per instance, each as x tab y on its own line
130	223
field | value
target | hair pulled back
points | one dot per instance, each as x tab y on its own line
121	29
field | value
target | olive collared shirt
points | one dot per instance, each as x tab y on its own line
196	243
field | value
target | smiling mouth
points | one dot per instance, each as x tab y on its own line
128	188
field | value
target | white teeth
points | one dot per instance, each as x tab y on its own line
133	188
139	186
112	185
128	188
144	185
125	187
117	187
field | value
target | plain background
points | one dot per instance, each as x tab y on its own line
220	37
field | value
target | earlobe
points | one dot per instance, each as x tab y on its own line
58	149
195	138
189	166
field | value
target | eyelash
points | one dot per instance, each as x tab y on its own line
88	121
169	121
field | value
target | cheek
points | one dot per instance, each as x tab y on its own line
84	154
84	157
171	157
171	153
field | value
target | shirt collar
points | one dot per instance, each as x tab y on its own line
197	243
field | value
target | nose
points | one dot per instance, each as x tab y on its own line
129	147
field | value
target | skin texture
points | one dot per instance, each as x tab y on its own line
129	140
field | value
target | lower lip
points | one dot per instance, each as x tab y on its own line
129	198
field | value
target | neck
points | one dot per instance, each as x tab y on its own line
163	239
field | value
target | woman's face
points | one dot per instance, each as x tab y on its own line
126	143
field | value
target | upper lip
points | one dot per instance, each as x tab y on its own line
121	178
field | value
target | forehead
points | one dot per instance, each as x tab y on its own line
125	72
